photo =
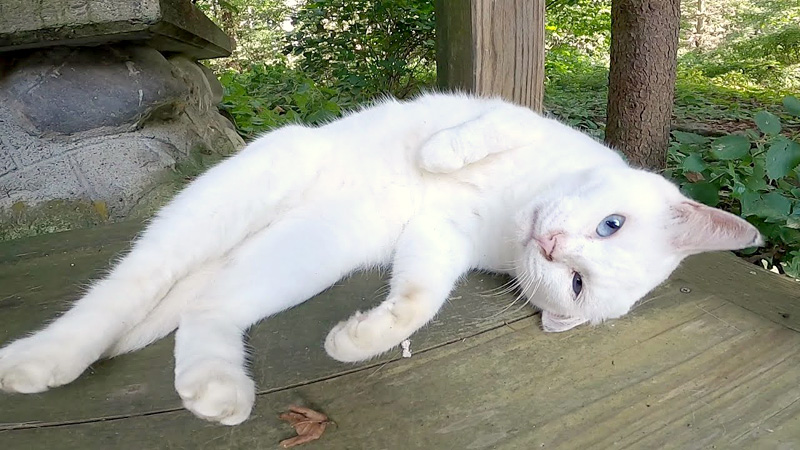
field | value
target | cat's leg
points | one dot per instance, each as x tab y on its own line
163	319
210	373
207	219
500	129
276	269
431	255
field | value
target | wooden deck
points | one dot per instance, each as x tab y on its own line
710	360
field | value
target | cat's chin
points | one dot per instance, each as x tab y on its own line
556	323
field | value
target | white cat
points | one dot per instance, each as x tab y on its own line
433	187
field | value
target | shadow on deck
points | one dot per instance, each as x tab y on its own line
711	358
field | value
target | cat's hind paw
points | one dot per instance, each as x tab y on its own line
217	391
36	364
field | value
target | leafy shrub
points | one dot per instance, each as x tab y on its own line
268	96
580	28
255	27
577	97
367	47
771	59
577	40
755	174
340	54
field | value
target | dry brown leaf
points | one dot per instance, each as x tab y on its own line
308	424
694	177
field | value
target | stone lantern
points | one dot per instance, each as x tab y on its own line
99	100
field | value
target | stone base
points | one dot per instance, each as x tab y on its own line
103	126
175	26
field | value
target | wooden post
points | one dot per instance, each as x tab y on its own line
492	48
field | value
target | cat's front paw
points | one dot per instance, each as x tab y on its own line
217	391
365	335
440	154
37	363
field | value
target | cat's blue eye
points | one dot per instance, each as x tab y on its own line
577	283
610	225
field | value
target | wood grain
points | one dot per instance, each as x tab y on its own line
492	48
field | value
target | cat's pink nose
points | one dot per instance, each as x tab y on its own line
548	244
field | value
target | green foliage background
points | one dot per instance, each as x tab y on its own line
368	47
736	121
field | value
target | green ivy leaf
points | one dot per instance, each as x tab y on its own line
792	105
782	157
752	134
750	203
789	236
793	221
791	264
703	192
785	185
768	123
756	181
694	163
301	99
331	107
319	116
773	205
738	189
689	138
777	205
730	147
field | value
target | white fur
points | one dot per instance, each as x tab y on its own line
434	187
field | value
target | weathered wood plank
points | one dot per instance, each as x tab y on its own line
776	298
117	235
36	286
685	371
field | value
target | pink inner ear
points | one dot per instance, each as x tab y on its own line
699	228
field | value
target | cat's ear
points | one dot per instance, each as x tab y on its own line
697	228
554	323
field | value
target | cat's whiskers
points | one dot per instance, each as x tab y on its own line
516	284
532	291
507	307
511	265
503	289
647	300
507	287
527	290
381	291
526	301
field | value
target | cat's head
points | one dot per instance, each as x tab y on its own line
598	241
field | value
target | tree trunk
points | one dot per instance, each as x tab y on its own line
644	49
700	25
